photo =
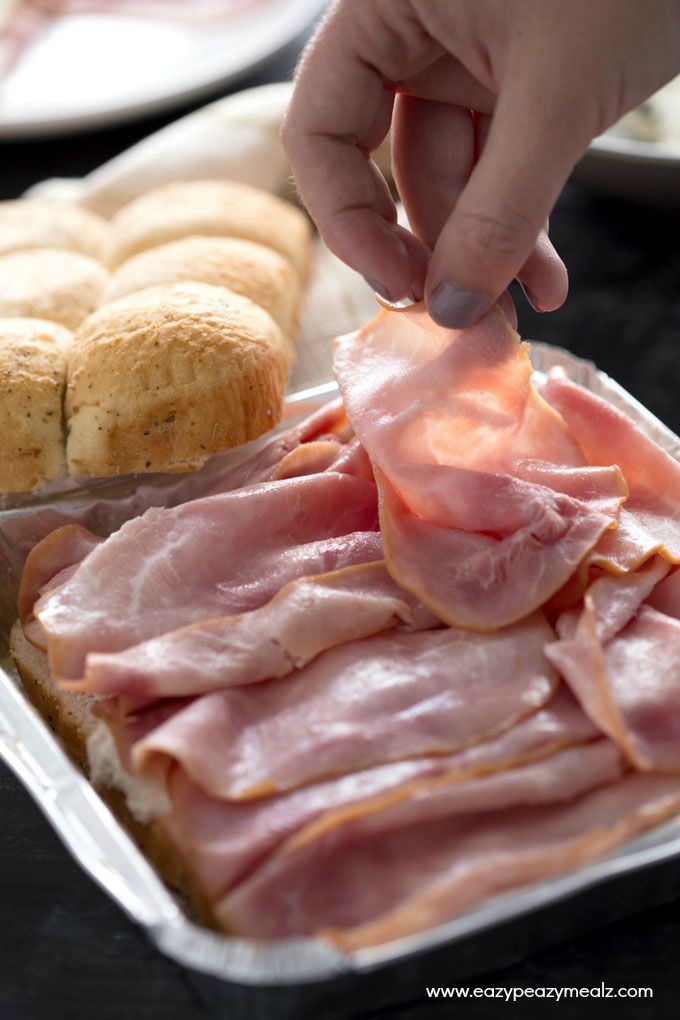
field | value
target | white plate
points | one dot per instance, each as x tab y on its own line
86	71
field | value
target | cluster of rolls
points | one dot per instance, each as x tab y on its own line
148	342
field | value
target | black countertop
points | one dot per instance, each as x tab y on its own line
67	953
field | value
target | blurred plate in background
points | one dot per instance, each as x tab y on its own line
628	168
91	70
639	157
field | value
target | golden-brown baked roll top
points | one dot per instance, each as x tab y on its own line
49	283
35	223
245	267
210	208
160	379
33	358
184	351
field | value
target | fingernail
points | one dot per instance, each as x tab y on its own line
530	297
379	289
385	299
453	306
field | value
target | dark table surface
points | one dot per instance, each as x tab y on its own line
67	953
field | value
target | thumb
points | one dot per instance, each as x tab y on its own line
533	143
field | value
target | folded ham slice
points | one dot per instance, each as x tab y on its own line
225	840
389	697
488	504
621	658
308	616
475	577
211	557
650	521
50	563
428	857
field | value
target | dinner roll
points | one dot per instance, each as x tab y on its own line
36	223
160	379
213	208
46	283
33	356
245	267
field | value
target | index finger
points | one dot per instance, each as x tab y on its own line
341	110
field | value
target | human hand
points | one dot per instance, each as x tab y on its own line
543	79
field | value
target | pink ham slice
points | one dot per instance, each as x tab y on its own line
226	841
488	504
389	697
308	616
283	455
621	658
666	595
650	521
307	459
179	10
428	857
211	557
17	33
502	852
311	446
59	551
471	574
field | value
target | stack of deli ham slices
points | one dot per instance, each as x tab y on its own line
422	649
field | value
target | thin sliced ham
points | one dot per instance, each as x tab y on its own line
651	522
427	857
478	475
475	577
621	658
523	846
211	557
327	424
45	568
308	616
307	459
389	697
178	10
666	595
225	840
310	446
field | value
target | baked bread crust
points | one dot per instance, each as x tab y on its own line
210	208
70	716
36	223
164	377
250	269
33	358
49	283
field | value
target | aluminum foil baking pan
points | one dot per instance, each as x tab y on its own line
306	977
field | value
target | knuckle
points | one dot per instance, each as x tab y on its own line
490	236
